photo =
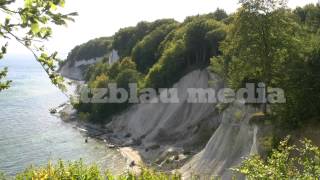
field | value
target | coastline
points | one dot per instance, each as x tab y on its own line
134	160
170	159
162	157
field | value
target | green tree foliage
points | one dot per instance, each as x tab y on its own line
309	16
94	48
29	24
286	162
187	48
260	41
267	43
94	70
127	38
100	76
220	14
146	52
302	88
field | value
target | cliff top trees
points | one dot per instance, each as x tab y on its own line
266	43
188	47
147	52
94	48
29	24
261	39
309	16
127	38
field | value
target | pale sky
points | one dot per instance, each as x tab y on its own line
99	18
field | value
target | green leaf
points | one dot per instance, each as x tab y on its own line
7	21
28	3
53	6
35	28
62	3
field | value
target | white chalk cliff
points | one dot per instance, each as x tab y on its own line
76	70
232	141
174	123
184	125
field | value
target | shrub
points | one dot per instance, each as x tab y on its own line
76	170
79	171
286	162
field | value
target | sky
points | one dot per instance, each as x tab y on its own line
99	18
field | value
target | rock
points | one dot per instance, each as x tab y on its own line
137	142
127	135
111	146
53	111
132	164
154	147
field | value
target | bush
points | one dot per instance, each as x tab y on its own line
79	171
286	162
76	170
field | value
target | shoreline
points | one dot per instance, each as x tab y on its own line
162	157
134	154
134	161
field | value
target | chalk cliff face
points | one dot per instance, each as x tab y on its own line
187	126
234	140
222	139
76	70
180	124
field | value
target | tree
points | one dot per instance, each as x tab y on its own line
309	16
188	47
98	47
262	39
146	52
202	39
220	14
30	24
302	89
100	75
127	38
286	162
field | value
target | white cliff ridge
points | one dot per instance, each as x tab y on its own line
160	128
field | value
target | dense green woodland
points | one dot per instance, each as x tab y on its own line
261	42
94	48
258	43
157	55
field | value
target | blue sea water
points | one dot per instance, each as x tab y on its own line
29	134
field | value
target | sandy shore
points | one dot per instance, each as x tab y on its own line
133	158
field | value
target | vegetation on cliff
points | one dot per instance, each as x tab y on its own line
98	47
285	162
272	44
156	55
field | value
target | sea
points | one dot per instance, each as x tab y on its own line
30	135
